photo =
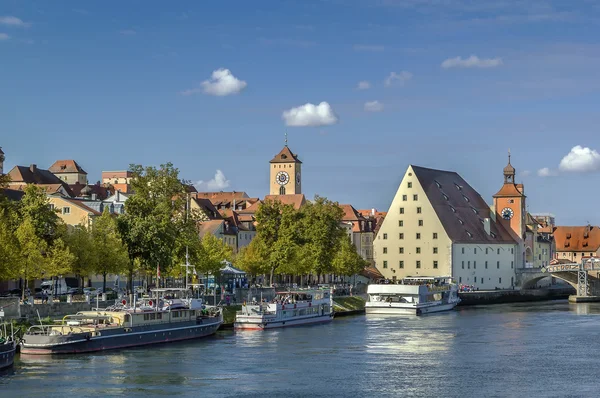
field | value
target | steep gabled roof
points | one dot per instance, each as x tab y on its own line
21	175
577	239
296	200
100	191
460	208
208	208
66	166
508	190
285	156
12	194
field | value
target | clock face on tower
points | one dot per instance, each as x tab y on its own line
298	178
282	178
507	213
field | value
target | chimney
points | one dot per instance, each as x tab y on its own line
93	196
493	213
487	226
33	168
233	207
373	212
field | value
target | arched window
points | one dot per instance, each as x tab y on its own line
282	190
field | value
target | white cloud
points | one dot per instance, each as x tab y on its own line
472	62
4	36
128	32
310	115
373	106
221	83
398	78
546	172
13	21
218	183
525	173
364	85
367	47
580	160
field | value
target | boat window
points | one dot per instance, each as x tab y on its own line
146	317
175	314
127	318
158	316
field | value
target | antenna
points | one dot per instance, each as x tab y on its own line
286	141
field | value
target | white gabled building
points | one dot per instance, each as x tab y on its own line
438	225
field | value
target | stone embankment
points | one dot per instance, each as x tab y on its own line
514	296
14	310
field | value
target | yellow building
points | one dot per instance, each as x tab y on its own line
73	211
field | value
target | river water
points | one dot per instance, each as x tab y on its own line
548	349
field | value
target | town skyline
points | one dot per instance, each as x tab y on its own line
449	87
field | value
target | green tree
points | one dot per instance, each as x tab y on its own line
111	253
9	248
346	260
154	217
59	259
31	257
35	207
321	233
249	258
215	251
79	241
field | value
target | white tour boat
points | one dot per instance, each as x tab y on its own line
413	295
299	307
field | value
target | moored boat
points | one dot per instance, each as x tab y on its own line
413	295
293	308
8	345
162	319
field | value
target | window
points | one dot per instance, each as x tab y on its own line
498	264
453	209
463	250
51	206
481	280
420	223
459	279
400	223
474	264
418	263
418	250
499	280
445	196
385	264
384	236
497	251
401	264
463	264
385	250
486	250
461	222
438	184
466	199
401	250
435	250
404	198
435	264
400	235
402	210
475	251
512	250
415	197
418	235
66	210
486	265
468	265
435	235
512	264
282	190
418	210
409	184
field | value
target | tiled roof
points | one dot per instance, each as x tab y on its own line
460	208
82	206
285	156
508	190
209	227
221	196
208	208
100	191
20	175
371	273
296	200
66	166
577	239
12	194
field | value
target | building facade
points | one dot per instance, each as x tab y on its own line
285	176
438	225
573	243
69	171
119	180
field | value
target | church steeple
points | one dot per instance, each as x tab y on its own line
509	172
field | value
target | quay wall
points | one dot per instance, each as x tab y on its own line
14	310
513	296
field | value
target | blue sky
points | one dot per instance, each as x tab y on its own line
117	82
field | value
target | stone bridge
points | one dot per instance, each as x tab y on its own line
528	278
584	277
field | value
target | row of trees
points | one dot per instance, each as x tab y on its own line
309	241
154	232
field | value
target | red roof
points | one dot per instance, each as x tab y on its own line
296	200
66	166
577	239
285	156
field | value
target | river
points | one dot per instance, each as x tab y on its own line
548	349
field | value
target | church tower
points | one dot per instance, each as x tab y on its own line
509	203
286	173
1	161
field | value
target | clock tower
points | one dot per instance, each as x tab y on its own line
286	173
509	203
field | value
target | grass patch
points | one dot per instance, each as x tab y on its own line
229	313
354	303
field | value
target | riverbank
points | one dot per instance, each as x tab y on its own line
514	296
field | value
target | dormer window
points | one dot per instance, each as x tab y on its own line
453	209
493	235
438	184
457	186
474	210
445	196
466	199
470	234
461	222
283	156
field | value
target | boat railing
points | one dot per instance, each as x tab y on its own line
48	329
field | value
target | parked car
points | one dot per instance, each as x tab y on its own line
75	291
